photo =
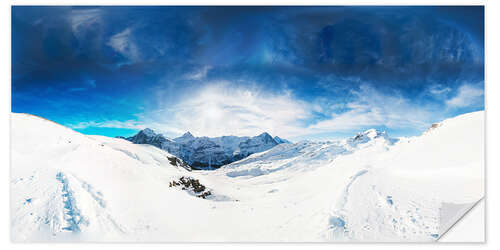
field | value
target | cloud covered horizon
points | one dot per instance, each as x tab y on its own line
248	112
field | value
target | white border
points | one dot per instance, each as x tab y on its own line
492	97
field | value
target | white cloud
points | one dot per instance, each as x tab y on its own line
199	74
467	95
123	44
438	90
221	109
82	20
371	107
131	124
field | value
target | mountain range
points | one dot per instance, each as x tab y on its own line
205	153
67	186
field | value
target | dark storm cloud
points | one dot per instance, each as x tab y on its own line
376	43
150	55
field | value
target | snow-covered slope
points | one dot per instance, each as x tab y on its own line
68	186
206	152
307	155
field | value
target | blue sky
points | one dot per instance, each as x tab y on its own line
295	72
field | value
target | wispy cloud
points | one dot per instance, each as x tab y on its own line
108	124
123	44
82	20
438	90
467	95
198	74
371	107
222	109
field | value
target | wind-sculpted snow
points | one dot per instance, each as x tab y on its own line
66	186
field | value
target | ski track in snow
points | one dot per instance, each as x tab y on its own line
72	214
372	188
75	220
337	219
402	215
98	197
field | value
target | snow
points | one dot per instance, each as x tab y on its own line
66	186
148	132
280	140
205	152
185	137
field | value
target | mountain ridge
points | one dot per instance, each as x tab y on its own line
205	153
66	184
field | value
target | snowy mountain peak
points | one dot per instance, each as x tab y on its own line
148	136
368	193
188	134
373	133
148	132
205	152
265	134
185	137
280	140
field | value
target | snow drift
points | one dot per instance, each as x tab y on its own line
66	186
